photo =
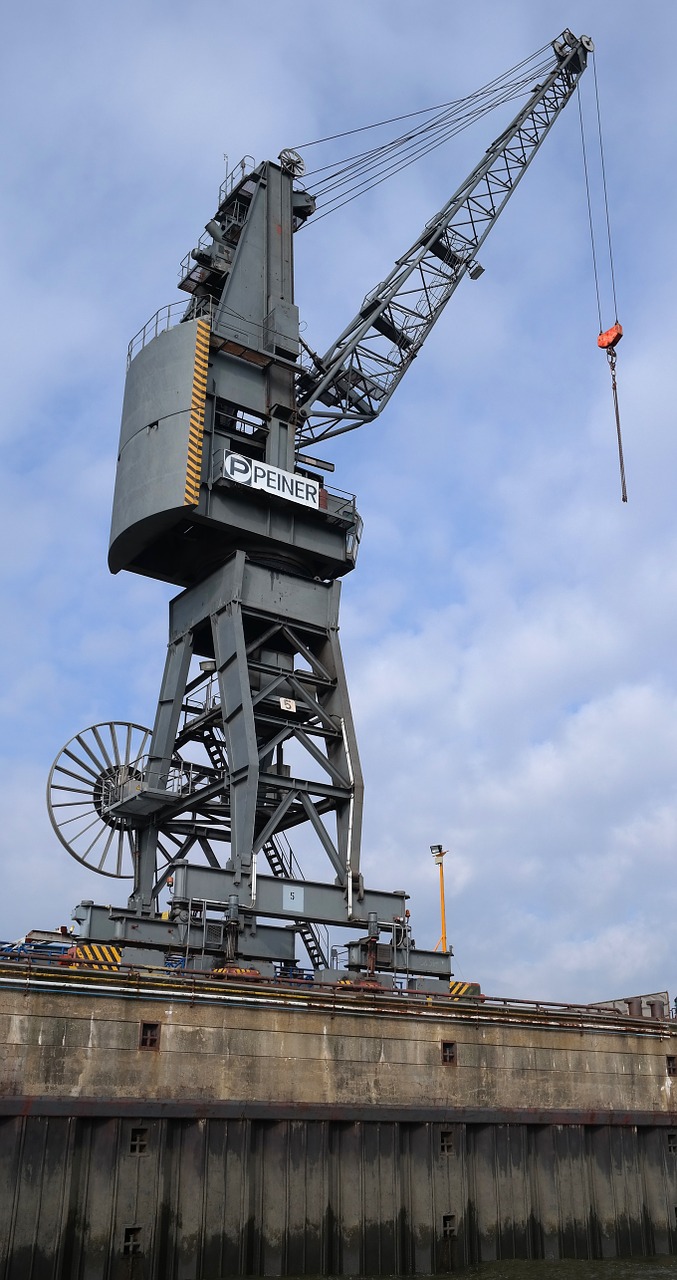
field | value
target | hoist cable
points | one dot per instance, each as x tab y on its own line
375	160
424	110
342	181
611	357
370	184
604	189
589	205
603	341
371	175
448	125
414	148
448	113
377	154
366	128
338	203
463	114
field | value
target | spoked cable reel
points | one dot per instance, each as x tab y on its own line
85	780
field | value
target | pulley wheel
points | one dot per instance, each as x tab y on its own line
292	162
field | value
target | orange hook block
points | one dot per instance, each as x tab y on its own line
611	337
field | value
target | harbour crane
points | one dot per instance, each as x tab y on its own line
253	739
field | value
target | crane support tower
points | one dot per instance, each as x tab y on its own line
253	739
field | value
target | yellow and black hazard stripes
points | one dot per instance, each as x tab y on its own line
233	971
469	989
197	415
97	955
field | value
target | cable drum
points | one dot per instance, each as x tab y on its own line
85	782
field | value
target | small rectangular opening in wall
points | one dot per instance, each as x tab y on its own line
138	1141
131	1243
671	1065
149	1035
449	1052
448	1226
447	1142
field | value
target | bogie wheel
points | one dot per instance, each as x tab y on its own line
84	781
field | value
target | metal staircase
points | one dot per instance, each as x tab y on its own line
283	863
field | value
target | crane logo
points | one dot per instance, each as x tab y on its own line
258	475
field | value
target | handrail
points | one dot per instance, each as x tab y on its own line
167	317
144	980
237	173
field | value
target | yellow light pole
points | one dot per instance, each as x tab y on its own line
438	854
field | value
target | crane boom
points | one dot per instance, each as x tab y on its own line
352	383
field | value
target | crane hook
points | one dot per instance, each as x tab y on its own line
608	341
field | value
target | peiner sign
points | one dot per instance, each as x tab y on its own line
259	475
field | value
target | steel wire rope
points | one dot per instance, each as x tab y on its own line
353	176
588	199
370	167
369	184
457	110
372	178
409	115
604	190
610	349
422	140
364	186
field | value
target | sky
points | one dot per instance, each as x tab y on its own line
511	629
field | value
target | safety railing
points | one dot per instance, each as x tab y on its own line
168	317
204	697
341	505
188	263
193	984
183	779
237	173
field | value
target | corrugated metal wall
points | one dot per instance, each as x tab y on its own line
173	1198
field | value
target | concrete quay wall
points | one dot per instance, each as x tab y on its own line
291	1054
271	1137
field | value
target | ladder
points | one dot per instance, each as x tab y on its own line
283	863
